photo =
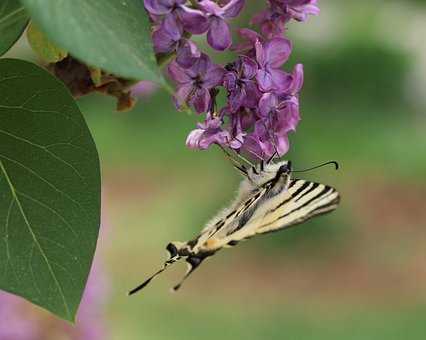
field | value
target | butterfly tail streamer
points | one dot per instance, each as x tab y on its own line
147	281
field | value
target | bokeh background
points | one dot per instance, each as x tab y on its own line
358	273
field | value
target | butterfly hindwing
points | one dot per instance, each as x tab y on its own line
301	201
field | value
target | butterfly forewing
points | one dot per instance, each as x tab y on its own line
305	200
301	201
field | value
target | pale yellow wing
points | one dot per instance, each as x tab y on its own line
302	201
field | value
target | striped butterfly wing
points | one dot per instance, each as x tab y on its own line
234	221
303	200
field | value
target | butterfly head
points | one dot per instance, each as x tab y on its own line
266	172
177	249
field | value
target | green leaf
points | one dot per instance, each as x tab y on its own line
13	20
110	34
49	190
43	47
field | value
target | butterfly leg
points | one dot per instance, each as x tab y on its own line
193	263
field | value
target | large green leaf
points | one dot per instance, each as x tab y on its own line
110	34
13	20
49	190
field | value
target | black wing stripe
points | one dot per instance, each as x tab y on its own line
302	187
231	213
322	195
311	188
292	183
249	203
248	213
325	208
324	192
300	193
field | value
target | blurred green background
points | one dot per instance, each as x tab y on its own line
358	273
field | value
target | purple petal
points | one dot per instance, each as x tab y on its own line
233	8
199	69
281	80
159	7
237	142
162	41
213	76
249	38
230	81
208	132
277	51
288	118
272	24
236	99
165	38
258	147
312	10
300	12
249	67
219	35
201	100
144	88
172	27
264	79
181	95
282	144
267	104
261	17
214	138
297	79
211	7
252	95
210	123
194	21
179	74
193	139
249	34
187	54
260	53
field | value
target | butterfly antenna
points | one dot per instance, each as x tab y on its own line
147	281
336	165
255	154
193	263
239	166
244	159
272	157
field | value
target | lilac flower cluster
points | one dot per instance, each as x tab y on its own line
262	105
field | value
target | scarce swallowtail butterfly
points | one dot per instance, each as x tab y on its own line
268	200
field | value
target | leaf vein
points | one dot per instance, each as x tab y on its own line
60	245
32	270
34	236
46	150
50	209
11	14
44	180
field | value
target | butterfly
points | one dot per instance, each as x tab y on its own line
268	200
